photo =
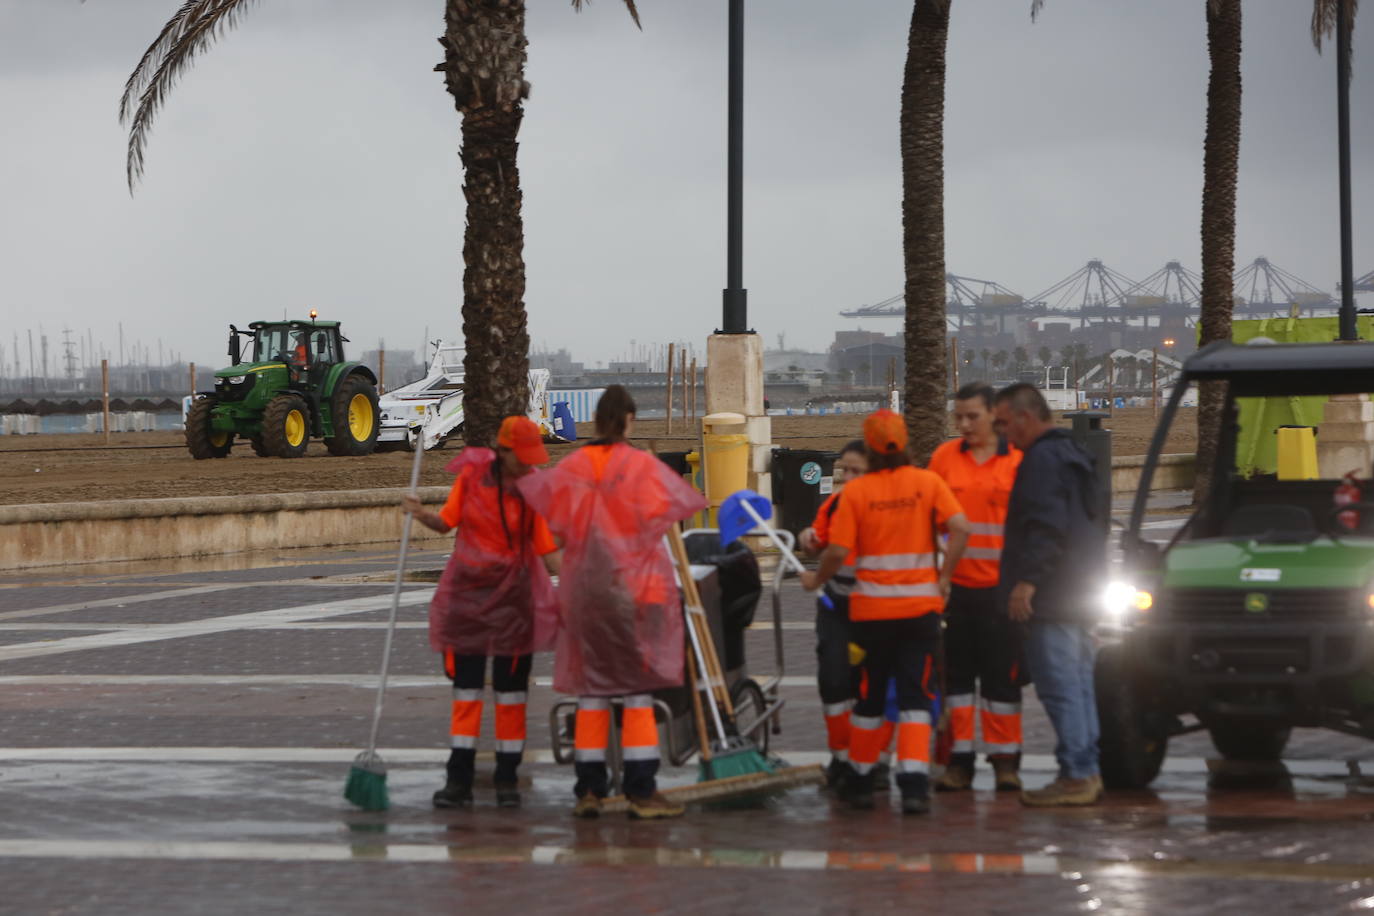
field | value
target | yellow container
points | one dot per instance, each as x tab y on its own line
693	477
725	456
1297	453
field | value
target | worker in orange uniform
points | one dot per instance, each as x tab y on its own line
835	677
494	599
890	520
982	644
621	630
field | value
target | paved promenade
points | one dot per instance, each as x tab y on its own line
177	741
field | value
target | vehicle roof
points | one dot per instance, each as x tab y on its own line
1257	370
295	323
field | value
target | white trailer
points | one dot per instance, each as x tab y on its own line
432	408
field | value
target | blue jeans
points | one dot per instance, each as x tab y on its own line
1060	656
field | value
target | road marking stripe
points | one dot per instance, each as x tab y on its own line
814	860
209	625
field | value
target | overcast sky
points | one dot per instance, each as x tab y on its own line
310	160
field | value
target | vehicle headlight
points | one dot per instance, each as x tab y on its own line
237	379
1122	598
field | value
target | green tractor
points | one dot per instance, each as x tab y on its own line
295	385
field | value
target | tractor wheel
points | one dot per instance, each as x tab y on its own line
286	426
201	440
356	417
259	447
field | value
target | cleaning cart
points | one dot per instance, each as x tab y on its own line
731	588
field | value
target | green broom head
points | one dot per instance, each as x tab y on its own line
738	758
366	785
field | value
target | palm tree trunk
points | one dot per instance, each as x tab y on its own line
484	50
923	225
1221	155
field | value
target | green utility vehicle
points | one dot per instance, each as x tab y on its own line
295	385
1258	614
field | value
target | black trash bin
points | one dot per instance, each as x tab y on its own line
676	460
1088	432
741	585
801	482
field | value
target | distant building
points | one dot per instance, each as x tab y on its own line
558	362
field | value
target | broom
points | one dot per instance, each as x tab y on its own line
366	784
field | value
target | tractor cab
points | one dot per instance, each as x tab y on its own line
1256	614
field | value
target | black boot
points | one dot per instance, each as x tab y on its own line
915	792
857	791
454	794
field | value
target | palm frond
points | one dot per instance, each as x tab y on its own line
1035	8
190	31
629	5
1324	19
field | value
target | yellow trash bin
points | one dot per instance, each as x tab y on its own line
725	456
1297	453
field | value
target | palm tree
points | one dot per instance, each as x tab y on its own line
1019	358
999	359
1220	156
1044	354
923	224
484	70
987	359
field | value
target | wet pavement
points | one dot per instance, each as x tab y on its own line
175	739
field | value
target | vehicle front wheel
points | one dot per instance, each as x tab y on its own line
1132	744
202	440
286	426
1243	741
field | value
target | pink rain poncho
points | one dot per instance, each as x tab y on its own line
621	629
495	596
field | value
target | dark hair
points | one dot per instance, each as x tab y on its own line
1025	398
976	390
886	461
613	411
854	445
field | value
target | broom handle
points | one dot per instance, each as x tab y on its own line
691	606
396	596
783	549
698	714
694	636
714	671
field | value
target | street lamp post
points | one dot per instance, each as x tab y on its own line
734	317
1347	322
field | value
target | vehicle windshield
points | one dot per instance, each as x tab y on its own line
277	342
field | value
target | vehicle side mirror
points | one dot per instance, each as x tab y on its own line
234	352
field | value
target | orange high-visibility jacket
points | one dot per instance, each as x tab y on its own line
889	520
984	491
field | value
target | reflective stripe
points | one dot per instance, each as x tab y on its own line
986	528
841	754
464	741
1001	709
1002	748
646	752
593	703
880	590
837	709
510	747
963	746
982	553
863	769
919	716
590	755
840	588
897	561
639	701
960	700
846	572
466	696
867	723
913	766
512	699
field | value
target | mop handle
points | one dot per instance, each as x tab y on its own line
395	599
783	549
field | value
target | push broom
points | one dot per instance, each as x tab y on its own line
366	785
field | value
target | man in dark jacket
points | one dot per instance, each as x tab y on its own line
1054	563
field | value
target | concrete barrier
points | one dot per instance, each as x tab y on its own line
1175	472
60	534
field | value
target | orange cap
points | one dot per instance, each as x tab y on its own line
521	435
885	432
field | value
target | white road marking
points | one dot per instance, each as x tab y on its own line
428	756
232	622
116	602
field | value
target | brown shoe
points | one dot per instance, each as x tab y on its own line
1065	793
588	806
1004	772
654	807
955	778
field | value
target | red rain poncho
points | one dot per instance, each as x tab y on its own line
495	596
621	630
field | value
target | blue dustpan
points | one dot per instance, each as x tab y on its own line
742	512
